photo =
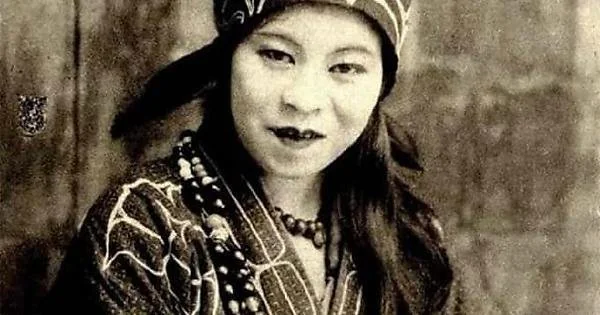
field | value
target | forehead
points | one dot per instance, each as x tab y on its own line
319	22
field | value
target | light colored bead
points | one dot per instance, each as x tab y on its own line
215	221
234	307
249	287
238	255
198	168
183	163
201	173
229	288
252	304
207	180
219	235
185	173
219	203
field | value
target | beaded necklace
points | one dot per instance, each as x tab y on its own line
310	229
202	193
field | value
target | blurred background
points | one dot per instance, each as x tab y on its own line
502	98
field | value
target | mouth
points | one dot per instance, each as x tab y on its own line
296	139
294	134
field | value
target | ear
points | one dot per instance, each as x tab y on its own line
402	145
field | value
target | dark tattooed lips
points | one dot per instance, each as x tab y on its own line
295	134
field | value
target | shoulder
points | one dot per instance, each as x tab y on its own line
141	186
143	210
139	248
142	222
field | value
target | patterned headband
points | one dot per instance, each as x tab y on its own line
392	15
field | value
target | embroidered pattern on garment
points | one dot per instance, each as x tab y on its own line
119	218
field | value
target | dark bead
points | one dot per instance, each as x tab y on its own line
252	303
178	151
289	222
300	227
186	133
319	239
311	228
207	180
186	150
318	226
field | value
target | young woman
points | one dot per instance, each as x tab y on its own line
288	199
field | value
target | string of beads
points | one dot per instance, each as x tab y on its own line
202	194
310	229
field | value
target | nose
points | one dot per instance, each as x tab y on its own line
306	92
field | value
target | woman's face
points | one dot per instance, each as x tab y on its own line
303	87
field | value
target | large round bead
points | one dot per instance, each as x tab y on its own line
311	228
215	221
300	226
252	304
234	307
319	239
289	222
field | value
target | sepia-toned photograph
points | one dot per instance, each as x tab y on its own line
301	157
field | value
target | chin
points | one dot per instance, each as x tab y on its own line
293	171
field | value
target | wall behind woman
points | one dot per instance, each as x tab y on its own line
88	59
500	96
503	97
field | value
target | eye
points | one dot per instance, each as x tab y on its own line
348	68
276	56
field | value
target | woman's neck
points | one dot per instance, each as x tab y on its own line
300	197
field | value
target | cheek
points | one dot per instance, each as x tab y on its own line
247	96
356	106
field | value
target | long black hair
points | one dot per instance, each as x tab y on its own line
403	266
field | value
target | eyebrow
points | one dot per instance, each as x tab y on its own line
278	36
355	48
